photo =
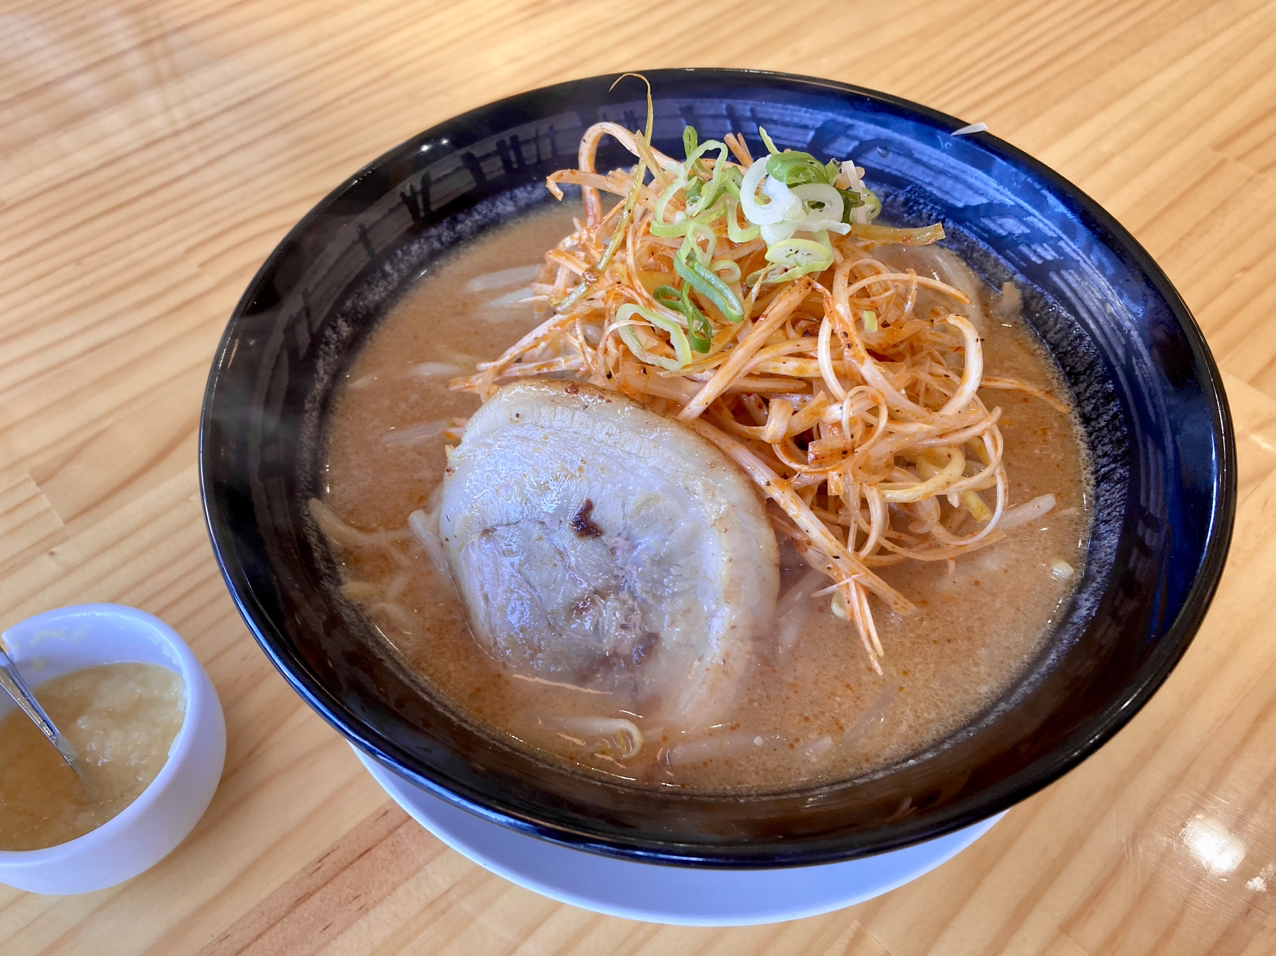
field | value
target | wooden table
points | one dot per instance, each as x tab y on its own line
152	154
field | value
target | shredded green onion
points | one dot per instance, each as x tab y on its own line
698	232
690	138
699	328
735	232
663	227
863	198
622	226
677	336
701	278
708	193
732	177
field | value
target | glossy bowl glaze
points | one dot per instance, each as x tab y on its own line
1143	380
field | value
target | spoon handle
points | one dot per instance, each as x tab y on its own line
12	681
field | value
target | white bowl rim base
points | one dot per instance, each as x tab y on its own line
660	893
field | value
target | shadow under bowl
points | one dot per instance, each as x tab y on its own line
1143	381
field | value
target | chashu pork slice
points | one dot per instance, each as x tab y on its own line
597	543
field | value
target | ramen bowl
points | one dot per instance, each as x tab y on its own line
1145	387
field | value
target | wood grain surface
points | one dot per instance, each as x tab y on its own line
151	156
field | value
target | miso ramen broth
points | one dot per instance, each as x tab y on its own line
810	708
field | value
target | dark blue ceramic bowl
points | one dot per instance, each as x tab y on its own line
1148	392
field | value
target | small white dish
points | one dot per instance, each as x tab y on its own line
147	830
668	894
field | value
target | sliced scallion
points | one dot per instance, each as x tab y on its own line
794	168
802	256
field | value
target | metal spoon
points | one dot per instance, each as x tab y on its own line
12	681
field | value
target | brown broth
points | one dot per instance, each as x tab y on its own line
978	625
